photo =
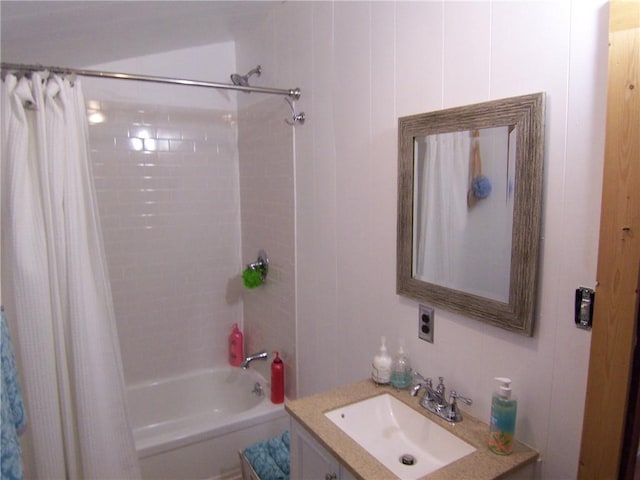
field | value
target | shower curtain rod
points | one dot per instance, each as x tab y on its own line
292	93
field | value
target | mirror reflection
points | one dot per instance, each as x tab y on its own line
464	193
469	209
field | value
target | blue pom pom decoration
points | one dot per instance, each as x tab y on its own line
481	187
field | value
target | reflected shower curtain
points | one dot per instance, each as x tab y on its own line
441	180
59	294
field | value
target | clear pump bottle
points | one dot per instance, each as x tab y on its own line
401	370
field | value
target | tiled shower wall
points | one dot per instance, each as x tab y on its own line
167	184
267	187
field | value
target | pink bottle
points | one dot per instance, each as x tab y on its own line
236	351
277	380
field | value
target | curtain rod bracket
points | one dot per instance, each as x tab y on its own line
296	118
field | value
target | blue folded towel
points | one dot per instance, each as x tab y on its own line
263	464
279	452
13	419
270	459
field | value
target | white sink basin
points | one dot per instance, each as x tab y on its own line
388	429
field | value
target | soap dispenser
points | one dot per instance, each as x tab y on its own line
502	425
382	364
401	370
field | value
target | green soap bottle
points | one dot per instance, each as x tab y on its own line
502	426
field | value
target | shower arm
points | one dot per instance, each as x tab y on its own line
291	93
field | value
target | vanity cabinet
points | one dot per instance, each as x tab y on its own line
310	460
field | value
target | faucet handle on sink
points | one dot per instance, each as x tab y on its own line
452	412
453	395
418	382
440	388
418	377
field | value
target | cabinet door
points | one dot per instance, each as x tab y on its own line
309	460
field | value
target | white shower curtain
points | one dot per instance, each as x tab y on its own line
441	180
57	287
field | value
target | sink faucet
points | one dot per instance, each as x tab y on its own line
263	355
434	399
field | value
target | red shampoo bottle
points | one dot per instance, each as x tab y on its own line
277	380
236	351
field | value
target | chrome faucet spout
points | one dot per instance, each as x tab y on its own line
434	400
263	355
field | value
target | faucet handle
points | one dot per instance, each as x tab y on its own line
440	388
415	389
452	413
453	396
418	382
418	377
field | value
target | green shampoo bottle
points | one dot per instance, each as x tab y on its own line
502	425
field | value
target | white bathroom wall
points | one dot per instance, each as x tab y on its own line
165	163
360	66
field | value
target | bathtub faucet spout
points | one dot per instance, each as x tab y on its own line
263	355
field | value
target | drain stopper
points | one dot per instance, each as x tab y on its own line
407	459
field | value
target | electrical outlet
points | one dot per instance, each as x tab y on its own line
425	323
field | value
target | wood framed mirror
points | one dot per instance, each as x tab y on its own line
469	209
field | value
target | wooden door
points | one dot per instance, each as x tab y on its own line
614	325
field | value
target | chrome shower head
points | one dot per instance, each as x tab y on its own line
243	80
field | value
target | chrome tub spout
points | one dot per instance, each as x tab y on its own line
263	355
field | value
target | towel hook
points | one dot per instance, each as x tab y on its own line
295	117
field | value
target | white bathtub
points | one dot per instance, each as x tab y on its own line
192	426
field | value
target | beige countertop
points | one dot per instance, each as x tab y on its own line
481	464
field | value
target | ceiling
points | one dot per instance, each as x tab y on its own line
83	33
